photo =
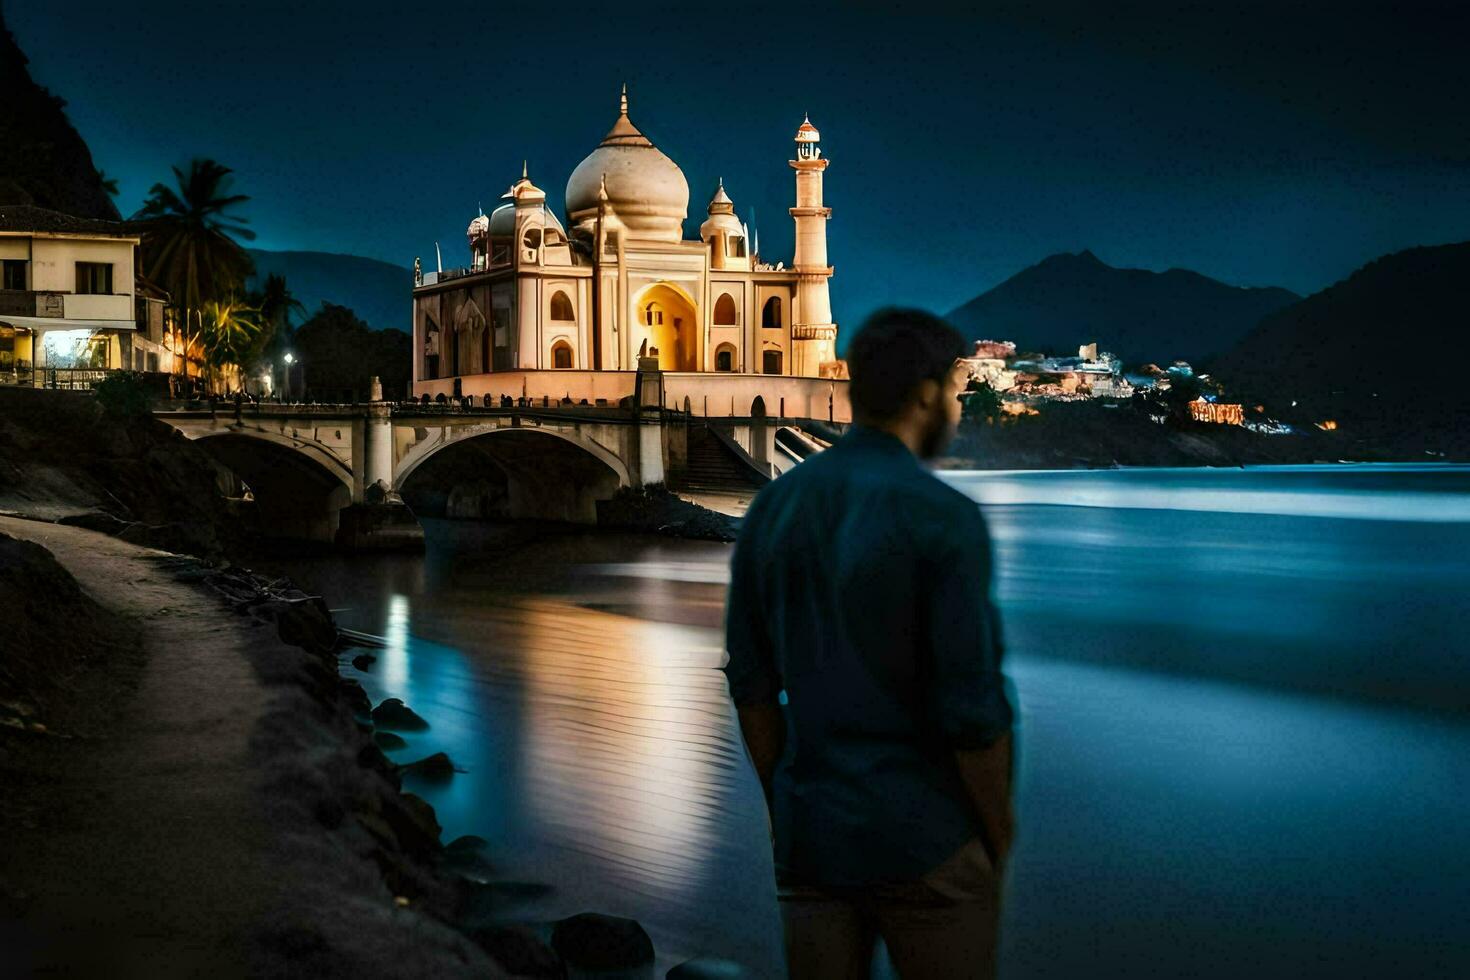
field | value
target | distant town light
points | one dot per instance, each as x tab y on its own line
290	358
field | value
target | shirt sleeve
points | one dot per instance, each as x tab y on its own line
966	689
750	668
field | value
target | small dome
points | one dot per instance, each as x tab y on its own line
721	216
503	221
806	132
478	228
646	189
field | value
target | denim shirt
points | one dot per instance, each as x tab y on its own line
861	587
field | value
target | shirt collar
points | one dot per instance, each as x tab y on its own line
867	437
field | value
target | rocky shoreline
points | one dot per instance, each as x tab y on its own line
360	882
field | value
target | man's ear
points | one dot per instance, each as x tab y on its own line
927	393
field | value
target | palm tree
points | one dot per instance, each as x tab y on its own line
229	332
278	306
189	242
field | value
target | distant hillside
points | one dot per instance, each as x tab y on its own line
1379	351
1068	300
380	293
43	161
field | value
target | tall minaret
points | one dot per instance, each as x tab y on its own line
813	334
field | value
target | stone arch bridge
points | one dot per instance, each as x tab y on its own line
335	473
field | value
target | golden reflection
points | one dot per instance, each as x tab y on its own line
629	750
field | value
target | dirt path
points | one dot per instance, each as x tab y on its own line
158	827
218	822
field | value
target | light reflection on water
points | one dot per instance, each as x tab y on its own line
1244	748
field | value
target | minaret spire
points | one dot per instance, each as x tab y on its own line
813	333
524	174
623	102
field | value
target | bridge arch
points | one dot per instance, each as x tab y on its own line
299	489
548	473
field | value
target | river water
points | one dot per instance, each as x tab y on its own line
1245	721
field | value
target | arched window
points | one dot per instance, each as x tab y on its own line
561	307
725	358
653	315
561	354
735	246
771	313
532	238
771	362
725	311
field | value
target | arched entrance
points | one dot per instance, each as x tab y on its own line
665	316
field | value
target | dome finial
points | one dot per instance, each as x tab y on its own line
524	173
623	102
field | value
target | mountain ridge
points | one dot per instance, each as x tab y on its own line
379	293
1069	299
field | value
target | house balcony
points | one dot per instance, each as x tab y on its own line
53	310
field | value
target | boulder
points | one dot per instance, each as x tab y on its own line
363	661
436	766
304	623
520	952
393	713
413	823
387	740
592	941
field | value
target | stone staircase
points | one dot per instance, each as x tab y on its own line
715	468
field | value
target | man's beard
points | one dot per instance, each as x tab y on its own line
937	436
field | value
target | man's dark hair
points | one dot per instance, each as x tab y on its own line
893	351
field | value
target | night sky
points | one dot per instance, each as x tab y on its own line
1256	145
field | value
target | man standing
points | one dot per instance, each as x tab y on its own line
860	589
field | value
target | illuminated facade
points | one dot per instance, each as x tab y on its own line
619	281
69	298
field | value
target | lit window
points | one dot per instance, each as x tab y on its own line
561	307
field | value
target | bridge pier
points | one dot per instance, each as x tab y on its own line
378	520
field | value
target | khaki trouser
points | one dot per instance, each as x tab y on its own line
943	926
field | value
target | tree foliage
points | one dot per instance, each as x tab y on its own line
340	354
189	243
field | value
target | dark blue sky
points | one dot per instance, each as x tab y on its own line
1254	144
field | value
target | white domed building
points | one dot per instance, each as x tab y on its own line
618	281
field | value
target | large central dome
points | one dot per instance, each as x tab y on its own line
646	189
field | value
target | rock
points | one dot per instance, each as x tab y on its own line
393	713
363	661
469	842
436	766
706	968
355	696
387	740
520	952
372	757
304	623
413	823
593	941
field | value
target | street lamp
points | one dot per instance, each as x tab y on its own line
290	359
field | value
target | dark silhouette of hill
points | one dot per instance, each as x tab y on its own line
1068	300
1377	352
43	160
380	293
